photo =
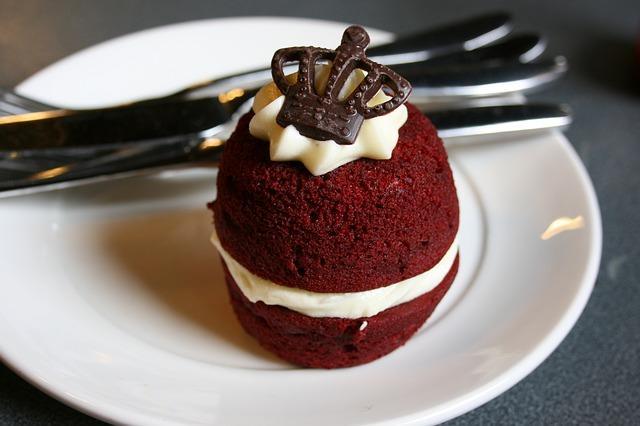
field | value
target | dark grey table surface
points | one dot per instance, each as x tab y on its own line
594	376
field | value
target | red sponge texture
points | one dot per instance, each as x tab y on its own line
367	224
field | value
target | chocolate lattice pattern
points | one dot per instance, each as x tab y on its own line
322	116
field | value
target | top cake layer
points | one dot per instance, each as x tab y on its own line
365	225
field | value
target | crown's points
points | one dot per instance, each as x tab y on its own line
323	116
356	35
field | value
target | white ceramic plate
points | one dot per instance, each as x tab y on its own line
113	299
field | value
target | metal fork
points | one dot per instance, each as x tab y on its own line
464	35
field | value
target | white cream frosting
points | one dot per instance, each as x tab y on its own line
377	138
337	305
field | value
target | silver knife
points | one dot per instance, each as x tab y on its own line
138	159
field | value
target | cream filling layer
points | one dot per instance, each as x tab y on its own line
337	305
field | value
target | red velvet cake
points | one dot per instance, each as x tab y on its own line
335	268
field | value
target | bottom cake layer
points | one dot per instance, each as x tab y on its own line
334	342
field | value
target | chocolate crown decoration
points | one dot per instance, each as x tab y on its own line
322	116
